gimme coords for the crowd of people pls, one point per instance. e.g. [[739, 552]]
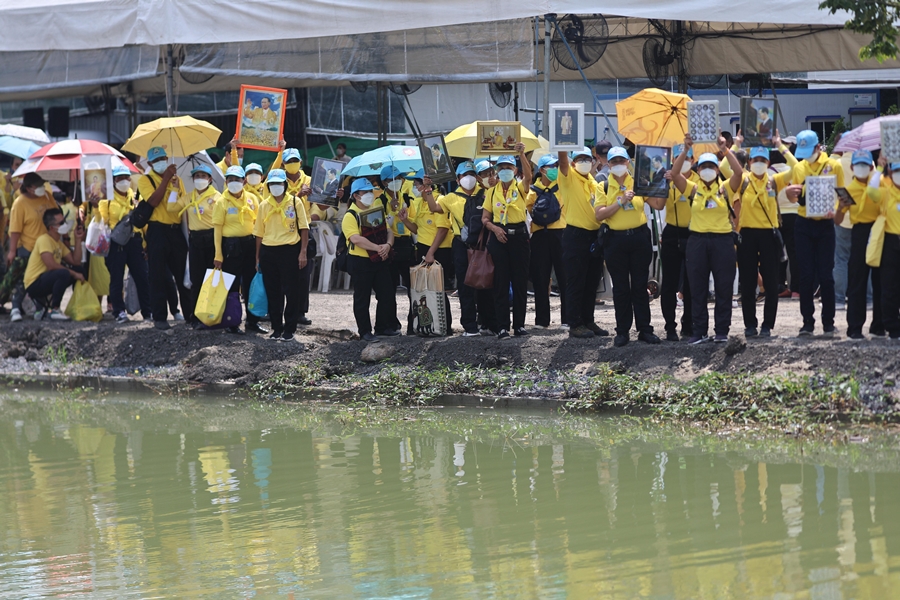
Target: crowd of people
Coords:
[[734, 218]]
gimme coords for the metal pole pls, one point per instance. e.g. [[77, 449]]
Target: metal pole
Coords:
[[170, 81], [516, 101], [537, 43], [545, 126]]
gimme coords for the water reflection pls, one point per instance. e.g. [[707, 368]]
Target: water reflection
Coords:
[[119, 508]]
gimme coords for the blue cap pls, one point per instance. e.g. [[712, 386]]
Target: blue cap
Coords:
[[506, 159], [759, 152], [420, 174], [861, 157], [585, 152], [276, 176], [465, 167], [235, 171], [290, 154], [895, 166], [390, 172], [253, 167], [483, 165], [155, 153], [547, 160], [708, 157], [679, 147], [202, 168], [121, 170], [617, 152], [807, 140], [361, 184]]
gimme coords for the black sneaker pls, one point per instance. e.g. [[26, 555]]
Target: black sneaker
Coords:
[[751, 332], [304, 321], [828, 332], [671, 336], [368, 337], [235, 330], [597, 330], [648, 337], [389, 333], [255, 328], [580, 332], [720, 338], [162, 325], [287, 337], [765, 332], [698, 339], [878, 332], [519, 331], [503, 334], [620, 340], [806, 331], [275, 335], [856, 335]]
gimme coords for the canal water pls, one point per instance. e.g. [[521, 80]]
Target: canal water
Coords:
[[140, 497]]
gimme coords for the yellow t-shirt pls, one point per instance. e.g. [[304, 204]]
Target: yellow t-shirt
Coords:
[[36, 266], [889, 195], [168, 209], [865, 210], [579, 193], [508, 207], [709, 208], [276, 223], [632, 214], [428, 224], [233, 217], [293, 189], [532, 198], [350, 227], [27, 218], [678, 208], [393, 216], [199, 208], [823, 166], [113, 211], [454, 206], [759, 202]]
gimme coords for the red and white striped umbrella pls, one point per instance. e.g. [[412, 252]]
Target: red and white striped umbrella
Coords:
[[61, 161]]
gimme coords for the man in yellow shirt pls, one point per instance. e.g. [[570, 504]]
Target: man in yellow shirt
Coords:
[[46, 275], [232, 150], [548, 221], [672, 250], [401, 218], [167, 249], [885, 192]]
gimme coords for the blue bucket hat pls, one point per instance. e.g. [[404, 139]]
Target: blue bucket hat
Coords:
[[465, 167], [708, 157], [290, 154], [585, 152], [235, 171], [861, 157], [506, 159], [483, 165], [253, 167], [202, 168], [807, 140], [617, 152], [420, 174], [547, 160], [679, 147], [390, 172], [155, 153], [361, 185], [121, 170], [759, 152], [276, 176]]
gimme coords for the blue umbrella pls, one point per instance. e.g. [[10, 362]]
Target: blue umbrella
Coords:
[[405, 158], [17, 147]]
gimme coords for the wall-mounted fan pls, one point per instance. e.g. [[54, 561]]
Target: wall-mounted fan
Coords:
[[195, 78], [501, 93], [404, 89], [748, 84], [669, 55], [587, 37]]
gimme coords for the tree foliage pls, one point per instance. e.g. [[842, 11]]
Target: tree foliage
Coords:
[[872, 17]]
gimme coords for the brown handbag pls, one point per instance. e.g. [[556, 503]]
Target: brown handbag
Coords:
[[480, 274]]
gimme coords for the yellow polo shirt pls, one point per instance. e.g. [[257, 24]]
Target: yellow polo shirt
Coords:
[[759, 202], [293, 189], [632, 214], [889, 195], [276, 223], [234, 217], [709, 209], [822, 167], [678, 208], [350, 227], [113, 211], [200, 209], [508, 207], [865, 210], [27, 218], [428, 224], [36, 266], [579, 193], [454, 206], [168, 209], [532, 198], [393, 216]]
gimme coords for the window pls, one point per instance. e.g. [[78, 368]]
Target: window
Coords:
[[823, 125]]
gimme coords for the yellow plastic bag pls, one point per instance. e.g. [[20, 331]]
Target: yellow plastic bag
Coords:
[[876, 243], [98, 275], [212, 297], [84, 305]]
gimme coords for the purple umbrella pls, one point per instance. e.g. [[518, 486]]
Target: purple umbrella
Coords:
[[865, 137]]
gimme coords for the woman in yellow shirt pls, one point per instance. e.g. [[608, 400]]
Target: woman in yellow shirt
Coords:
[[282, 235], [504, 213], [710, 248], [672, 250], [199, 208], [885, 192], [131, 254], [434, 238], [546, 240], [628, 248]]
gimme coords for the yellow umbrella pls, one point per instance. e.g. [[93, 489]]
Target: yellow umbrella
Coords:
[[179, 136], [463, 141], [653, 117]]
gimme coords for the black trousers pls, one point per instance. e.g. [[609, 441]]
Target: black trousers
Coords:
[[673, 277], [50, 283], [858, 283], [788, 225], [890, 284], [476, 307], [760, 253], [167, 253], [546, 256], [583, 273], [281, 276], [628, 255], [241, 262], [814, 241], [368, 276], [403, 246], [711, 253], [202, 252], [132, 255], [511, 264], [445, 257]]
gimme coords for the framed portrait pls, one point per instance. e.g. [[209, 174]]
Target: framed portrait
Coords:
[[435, 159], [890, 139], [820, 195], [845, 196], [260, 117], [325, 181], [96, 177], [650, 166], [566, 127], [497, 137], [703, 121], [758, 121]]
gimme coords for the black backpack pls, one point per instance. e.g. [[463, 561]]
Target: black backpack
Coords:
[[472, 216], [546, 210], [342, 250]]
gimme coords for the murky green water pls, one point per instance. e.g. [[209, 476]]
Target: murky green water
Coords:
[[150, 498]]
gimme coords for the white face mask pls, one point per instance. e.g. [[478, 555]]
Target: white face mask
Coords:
[[416, 193], [759, 168], [708, 175], [40, 191], [277, 189], [618, 170], [861, 171], [235, 187], [395, 185], [812, 159], [64, 228], [159, 167], [367, 199], [467, 182], [201, 184], [123, 185], [895, 177], [584, 167], [254, 179], [686, 167]]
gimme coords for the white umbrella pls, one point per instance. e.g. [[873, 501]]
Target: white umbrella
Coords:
[[25, 133]]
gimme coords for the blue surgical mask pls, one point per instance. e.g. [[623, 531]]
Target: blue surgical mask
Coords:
[[506, 175]]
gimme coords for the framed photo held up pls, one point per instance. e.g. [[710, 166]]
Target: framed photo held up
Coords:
[[96, 177], [566, 127], [650, 166], [435, 159], [703, 121], [497, 137], [820, 195], [890, 140], [325, 181], [260, 120], [758, 121]]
